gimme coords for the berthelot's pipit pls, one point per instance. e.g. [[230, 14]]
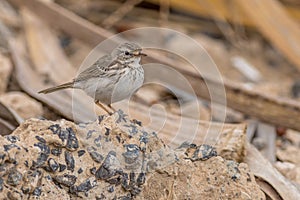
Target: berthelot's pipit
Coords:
[[111, 78]]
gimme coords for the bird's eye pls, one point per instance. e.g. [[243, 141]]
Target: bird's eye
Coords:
[[126, 53]]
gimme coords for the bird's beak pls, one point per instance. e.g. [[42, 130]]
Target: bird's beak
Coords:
[[138, 53]]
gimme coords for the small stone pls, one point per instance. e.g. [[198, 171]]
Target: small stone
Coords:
[[132, 178], [73, 190], [10, 146], [233, 170], [31, 180], [132, 129], [14, 177], [141, 178], [62, 167], [135, 121], [70, 162], [111, 189], [63, 135], [96, 156], [80, 170], [91, 148], [107, 131], [125, 181], [66, 179], [125, 198], [2, 157], [56, 151], [53, 165], [25, 189], [185, 145], [12, 138], [55, 128], [204, 152], [89, 134], [97, 141], [80, 153], [109, 167], [37, 191], [144, 138], [115, 181], [86, 186], [42, 158], [93, 170], [43, 147], [39, 138], [72, 142], [131, 154]]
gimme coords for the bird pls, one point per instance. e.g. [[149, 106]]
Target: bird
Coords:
[[112, 78]]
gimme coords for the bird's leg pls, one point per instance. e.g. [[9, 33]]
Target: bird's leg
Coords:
[[109, 105], [103, 107]]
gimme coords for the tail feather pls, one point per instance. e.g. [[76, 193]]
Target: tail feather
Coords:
[[59, 87]]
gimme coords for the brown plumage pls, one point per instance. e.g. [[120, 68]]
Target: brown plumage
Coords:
[[112, 77]]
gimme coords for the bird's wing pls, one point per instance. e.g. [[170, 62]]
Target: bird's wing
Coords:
[[98, 69]]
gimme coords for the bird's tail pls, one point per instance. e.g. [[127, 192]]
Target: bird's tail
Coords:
[[59, 87]]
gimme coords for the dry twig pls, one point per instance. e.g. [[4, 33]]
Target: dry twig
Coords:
[[120, 13]]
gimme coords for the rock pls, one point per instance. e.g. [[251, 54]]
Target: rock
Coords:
[[5, 71], [288, 147], [114, 158], [214, 178], [288, 153], [293, 137], [24, 105], [289, 170], [231, 144]]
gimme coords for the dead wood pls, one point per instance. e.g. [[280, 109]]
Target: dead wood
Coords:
[[271, 109]]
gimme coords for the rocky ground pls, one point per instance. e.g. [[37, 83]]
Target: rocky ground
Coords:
[[114, 158]]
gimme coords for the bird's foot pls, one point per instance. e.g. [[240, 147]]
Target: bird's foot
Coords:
[[105, 109]]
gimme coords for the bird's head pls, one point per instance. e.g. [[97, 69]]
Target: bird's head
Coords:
[[128, 53]]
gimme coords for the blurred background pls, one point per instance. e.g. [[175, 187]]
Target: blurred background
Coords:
[[254, 44]]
